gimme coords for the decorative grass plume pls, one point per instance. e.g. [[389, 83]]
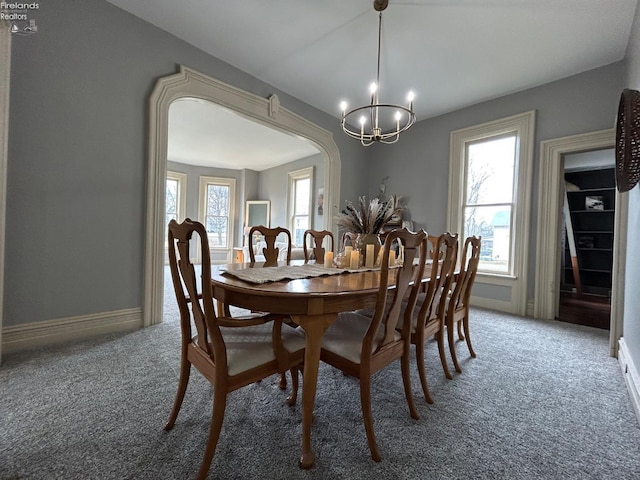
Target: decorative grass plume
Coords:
[[367, 217]]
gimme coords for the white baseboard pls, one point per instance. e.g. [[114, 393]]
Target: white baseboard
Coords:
[[631, 376], [50, 332]]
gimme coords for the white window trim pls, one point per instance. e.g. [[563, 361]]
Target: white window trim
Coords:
[[293, 177], [181, 178], [202, 194], [523, 125]]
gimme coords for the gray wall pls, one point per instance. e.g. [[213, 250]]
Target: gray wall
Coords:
[[419, 166], [77, 156], [274, 183], [631, 328]]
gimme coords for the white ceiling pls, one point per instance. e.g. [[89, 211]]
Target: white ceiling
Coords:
[[451, 53], [205, 134]]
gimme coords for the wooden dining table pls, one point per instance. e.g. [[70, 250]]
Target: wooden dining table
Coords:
[[313, 304]]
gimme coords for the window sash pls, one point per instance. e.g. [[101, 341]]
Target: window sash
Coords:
[[217, 200]]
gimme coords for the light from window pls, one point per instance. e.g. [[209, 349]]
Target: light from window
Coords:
[[216, 219], [489, 199], [299, 204], [171, 201], [302, 207]]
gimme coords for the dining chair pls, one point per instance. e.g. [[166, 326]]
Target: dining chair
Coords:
[[271, 255], [229, 352], [270, 251], [359, 346], [458, 302], [428, 319], [317, 249]]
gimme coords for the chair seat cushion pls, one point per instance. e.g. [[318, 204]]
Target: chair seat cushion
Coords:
[[249, 347], [344, 337]]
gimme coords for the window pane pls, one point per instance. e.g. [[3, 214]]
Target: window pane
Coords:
[[171, 204], [217, 214], [302, 196], [217, 199], [494, 225], [300, 225], [490, 171]]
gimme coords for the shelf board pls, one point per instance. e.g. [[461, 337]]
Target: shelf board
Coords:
[[593, 211], [591, 190], [596, 249]]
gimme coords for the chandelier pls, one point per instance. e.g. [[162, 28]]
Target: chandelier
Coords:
[[379, 122]]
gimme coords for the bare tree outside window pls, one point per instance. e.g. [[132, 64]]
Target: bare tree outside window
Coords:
[[171, 201], [488, 206], [217, 214]]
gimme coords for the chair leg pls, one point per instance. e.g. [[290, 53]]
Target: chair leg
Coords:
[[365, 400], [443, 358], [421, 371], [452, 346], [283, 381], [460, 334], [406, 380], [185, 371], [293, 397], [465, 321], [219, 405]]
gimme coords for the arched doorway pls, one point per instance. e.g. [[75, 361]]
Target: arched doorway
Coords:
[[268, 111]]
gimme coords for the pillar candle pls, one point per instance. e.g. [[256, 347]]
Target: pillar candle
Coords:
[[369, 256], [355, 259], [392, 258], [328, 259], [347, 252]]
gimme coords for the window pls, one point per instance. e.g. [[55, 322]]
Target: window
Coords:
[[217, 199], [300, 202], [175, 197], [490, 177], [488, 200]]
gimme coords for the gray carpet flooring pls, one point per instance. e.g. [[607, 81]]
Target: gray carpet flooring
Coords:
[[543, 400]]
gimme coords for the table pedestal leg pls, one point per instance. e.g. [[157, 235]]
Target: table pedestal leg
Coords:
[[314, 327]]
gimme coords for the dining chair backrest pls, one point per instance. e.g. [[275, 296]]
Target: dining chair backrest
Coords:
[[348, 238], [433, 239], [316, 249], [407, 278], [468, 269], [270, 251], [443, 256]]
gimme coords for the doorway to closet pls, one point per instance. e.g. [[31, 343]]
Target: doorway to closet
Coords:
[[587, 239]]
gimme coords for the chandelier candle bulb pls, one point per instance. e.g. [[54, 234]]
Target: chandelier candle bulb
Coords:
[[355, 260], [328, 259], [369, 256]]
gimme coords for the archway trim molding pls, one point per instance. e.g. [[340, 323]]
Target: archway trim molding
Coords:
[[548, 235], [268, 111]]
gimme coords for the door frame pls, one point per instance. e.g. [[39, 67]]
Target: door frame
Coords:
[[547, 281]]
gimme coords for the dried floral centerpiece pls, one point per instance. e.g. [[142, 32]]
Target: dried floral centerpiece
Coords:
[[368, 219]]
